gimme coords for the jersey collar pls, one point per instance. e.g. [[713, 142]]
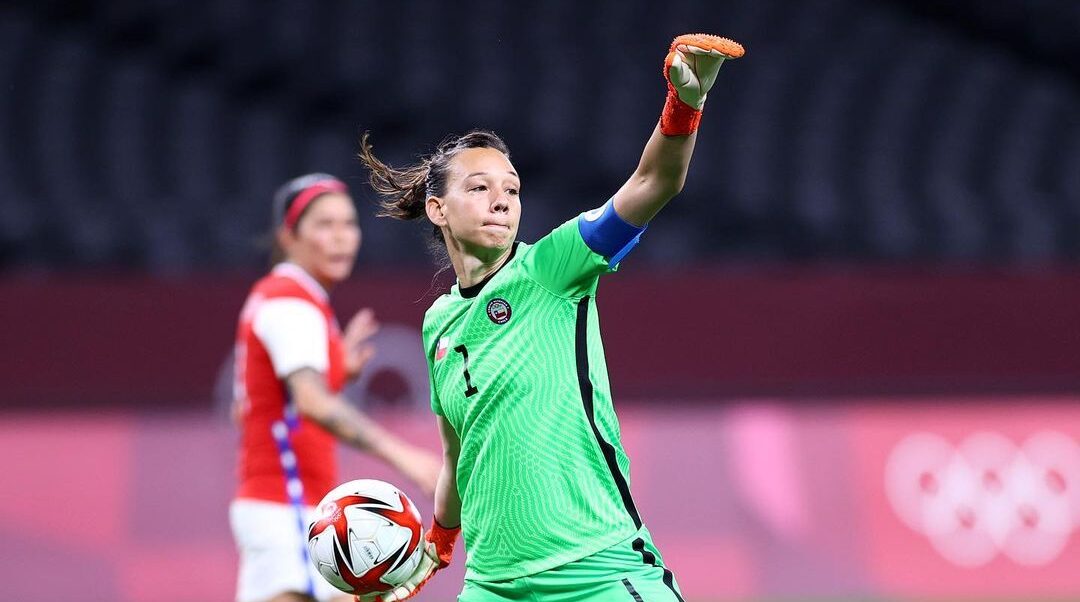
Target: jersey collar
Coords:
[[469, 292], [300, 276]]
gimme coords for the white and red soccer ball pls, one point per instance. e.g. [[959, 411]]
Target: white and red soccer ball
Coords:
[[366, 538]]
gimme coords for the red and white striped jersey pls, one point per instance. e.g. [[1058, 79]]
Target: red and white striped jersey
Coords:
[[286, 324]]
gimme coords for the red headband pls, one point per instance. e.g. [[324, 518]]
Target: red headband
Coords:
[[296, 209]]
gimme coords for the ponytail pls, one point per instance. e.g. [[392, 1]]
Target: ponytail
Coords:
[[402, 192]]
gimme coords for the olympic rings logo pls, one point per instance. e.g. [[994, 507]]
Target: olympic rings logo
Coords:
[[988, 495]]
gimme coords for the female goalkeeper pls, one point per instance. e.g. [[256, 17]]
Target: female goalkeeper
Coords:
[[534, 471]]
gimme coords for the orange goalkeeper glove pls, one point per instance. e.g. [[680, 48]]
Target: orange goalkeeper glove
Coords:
[[690, 69], [438, 548]]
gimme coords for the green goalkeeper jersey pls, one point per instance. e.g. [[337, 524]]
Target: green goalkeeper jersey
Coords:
[[517, 368]]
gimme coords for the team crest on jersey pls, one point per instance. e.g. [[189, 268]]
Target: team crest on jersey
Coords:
[[498, 310]]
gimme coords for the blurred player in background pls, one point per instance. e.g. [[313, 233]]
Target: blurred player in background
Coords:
[[534, 471], [291, 364]]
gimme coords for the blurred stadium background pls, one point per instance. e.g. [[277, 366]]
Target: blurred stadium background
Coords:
[[846, 357]]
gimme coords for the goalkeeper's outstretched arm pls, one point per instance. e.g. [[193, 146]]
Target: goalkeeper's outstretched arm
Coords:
[[690, 69]]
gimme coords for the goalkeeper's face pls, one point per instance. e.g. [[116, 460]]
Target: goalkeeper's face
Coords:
[[481, 206]]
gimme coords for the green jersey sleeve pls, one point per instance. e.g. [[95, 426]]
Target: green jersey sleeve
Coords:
[[431, 353], [436, 405], [562, 263]]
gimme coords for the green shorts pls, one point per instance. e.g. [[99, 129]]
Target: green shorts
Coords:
[[629, 571]]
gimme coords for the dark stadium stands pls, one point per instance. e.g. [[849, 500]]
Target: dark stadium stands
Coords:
[[150, 134]]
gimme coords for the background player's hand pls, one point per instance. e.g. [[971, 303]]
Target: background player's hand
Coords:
[[238, 408], [438, 549], [355, 342], [692, 64]]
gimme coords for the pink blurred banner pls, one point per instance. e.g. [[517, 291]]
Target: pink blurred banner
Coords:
[[919, 498]]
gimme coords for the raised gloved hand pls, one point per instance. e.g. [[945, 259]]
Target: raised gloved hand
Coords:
[[438, 549], [690, 69]]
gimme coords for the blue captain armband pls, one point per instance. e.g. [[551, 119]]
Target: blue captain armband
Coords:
[[608, 234]]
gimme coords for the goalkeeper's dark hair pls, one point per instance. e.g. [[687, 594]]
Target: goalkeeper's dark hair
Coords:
[[404, 192]]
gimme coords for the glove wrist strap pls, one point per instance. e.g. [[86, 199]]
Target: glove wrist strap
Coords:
[[444, 540], [443, 532], [678, 118]]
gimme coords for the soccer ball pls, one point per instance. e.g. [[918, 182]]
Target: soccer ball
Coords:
[[366, 538]]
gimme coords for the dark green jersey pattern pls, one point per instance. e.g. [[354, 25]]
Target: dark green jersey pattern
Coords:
[[517, 367]]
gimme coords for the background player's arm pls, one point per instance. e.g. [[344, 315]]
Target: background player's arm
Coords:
[[332, 412], [447, 499]]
